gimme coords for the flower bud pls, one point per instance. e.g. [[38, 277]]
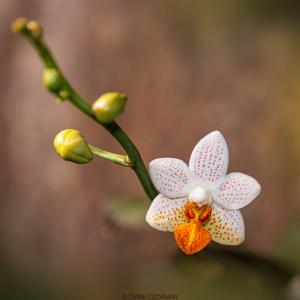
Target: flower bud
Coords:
[[19, 25], [35, 29], [108, 106], [53, 80], [64, 94], [71, 145]]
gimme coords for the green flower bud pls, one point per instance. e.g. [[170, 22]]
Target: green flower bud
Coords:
[[19, 25], [53, 80], [64, 94], [71, 145], [35, 29], [110, 105]]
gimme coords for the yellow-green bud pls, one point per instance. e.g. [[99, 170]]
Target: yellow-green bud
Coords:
[[19, 25], [108, 106], [64, 94], [53, 80], [71, 145], [35, 28]]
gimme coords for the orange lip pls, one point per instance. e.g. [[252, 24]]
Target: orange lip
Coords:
[[191, 237]]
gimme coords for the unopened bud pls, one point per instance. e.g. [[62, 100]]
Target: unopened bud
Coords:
[[53, 80], [64, 94], [35, 29], [19, 25], [109, 106], [71, 145]]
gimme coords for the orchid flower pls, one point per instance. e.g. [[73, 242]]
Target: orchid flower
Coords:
[[199, 202]]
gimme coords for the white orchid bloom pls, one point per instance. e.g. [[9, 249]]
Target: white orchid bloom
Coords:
[[199, 202]]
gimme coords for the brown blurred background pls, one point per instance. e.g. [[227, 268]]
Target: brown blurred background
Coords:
[[188, 67]]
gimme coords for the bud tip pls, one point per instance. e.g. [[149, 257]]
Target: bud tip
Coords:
[[35, 28], [19, 25]]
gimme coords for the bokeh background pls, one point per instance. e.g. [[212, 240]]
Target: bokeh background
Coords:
[[189, 67]]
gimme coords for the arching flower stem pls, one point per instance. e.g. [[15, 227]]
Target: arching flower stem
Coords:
[[113, 128]]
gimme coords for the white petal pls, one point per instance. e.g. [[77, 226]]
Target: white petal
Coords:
[[226, 226], [171, 177], [209, 159], [237, 191], [164, 213]]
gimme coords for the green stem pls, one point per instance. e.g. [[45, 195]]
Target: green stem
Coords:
[[115, 158], [114, 129]]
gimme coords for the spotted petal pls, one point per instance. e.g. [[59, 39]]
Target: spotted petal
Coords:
[[171, 177], [237, 191], [226, 226], [165, 214], [209, 159]]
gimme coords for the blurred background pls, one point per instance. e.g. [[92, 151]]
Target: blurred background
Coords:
[[189, 67]]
